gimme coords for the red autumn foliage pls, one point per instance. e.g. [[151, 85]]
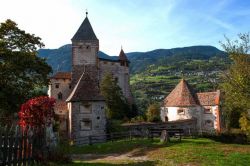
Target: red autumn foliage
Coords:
[[37, 112]]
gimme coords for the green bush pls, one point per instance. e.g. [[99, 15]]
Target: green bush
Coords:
[[229, 137], [115, 126], [137, 119], [153, 113], [60, 154]]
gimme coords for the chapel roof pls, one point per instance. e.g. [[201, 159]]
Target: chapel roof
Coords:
[[182, 95], [86, 89], [85, 32], [62, 75]]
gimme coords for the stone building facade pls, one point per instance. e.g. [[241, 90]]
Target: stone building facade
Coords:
[[182, 103], [79, 90]]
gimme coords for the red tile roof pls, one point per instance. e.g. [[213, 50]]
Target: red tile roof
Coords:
[[182, 95], [62, 75], [209, 98]]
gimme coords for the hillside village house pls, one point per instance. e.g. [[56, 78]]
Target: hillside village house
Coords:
[[183, 103], [78, 100]]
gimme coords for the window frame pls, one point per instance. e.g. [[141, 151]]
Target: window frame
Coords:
[[84, 120], [181, 113]]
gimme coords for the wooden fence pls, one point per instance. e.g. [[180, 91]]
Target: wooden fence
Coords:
[[18, 147], [129, 135]]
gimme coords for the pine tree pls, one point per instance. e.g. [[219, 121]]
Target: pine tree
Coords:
[[116, 104]]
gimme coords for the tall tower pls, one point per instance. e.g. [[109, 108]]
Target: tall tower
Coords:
[[124, 75], [85, 47], [86, 104]]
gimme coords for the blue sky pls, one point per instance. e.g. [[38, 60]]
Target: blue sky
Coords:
[[137, 25]]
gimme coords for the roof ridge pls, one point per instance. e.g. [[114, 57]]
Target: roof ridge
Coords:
[[74, 90]]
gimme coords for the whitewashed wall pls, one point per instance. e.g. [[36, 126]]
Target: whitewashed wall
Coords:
[[192, 112]]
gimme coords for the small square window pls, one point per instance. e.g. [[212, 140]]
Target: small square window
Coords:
[[57, 85], [122, 63], [181, 111], [85, 124], [60, 96]]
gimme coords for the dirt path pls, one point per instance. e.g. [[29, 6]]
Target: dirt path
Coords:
[[108, 157]]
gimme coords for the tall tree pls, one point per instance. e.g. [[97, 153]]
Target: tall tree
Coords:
[[21, 70], [236, 85], [117, 106]]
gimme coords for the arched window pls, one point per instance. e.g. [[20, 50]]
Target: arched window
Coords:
[[59, 96]]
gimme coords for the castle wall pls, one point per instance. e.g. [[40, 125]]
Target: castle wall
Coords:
[[119, 72], [59, 85]]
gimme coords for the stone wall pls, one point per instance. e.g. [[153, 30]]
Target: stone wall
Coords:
[[188, 126], [87, 118], [84, 53]]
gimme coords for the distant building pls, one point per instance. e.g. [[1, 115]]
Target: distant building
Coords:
[[183, 103], [79, 102]]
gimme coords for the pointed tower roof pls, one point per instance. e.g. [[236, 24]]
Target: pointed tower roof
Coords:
[[181, 96], [86, 89], [122, 56], [85, 32]]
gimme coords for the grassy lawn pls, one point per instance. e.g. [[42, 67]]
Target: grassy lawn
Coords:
[[144, 152]]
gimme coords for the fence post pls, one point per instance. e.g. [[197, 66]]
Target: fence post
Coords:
[[5, 146], [11, 147], [90, 140], [16, 149], [111, 137], [1, 150]]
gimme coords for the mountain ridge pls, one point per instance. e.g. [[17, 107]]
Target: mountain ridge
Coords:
[[60, 59]]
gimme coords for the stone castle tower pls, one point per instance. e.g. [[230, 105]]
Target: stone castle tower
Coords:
[[81, 104]]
